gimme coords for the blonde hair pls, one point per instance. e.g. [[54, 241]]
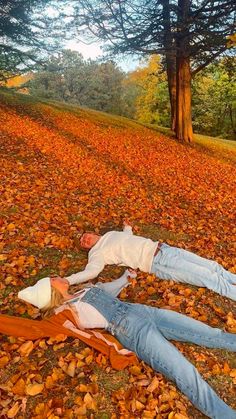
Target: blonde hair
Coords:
[[57, 300]]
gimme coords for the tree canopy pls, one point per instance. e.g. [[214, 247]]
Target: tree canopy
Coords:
[[141, 26], [26, 33], [69, 77]]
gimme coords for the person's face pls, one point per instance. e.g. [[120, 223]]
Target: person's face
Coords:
[[87, 240], [61, 284]]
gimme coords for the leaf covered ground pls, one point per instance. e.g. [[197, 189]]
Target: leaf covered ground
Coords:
[[64, 170]]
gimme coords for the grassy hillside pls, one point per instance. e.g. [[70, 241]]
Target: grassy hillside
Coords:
[[65, 169]]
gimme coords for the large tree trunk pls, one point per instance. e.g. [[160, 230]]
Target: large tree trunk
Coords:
[[184, 130], [171, 76], [169, 45]]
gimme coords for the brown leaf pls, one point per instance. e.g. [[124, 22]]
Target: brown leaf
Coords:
[[154, 385]]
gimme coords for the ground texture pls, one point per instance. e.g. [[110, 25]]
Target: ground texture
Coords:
[[64, 170]]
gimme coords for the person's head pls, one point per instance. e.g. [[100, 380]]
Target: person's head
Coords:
[[47, 294], [88, 240], [57, 299]]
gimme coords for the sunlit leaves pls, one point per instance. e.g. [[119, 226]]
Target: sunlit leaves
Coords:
[[63, 172]]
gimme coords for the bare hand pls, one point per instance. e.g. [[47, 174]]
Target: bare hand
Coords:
[[132, 277], [127, 223], [133, 272]]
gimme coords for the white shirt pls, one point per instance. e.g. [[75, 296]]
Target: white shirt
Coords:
[[117, 248], [89, 317]]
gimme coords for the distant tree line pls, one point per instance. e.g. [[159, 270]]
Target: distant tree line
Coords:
[[141, 94], [70, 78]]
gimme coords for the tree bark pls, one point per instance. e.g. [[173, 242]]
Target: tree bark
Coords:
[[171, 76], [184, 130], [169, 44]]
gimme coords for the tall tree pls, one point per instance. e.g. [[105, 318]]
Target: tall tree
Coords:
[[190, 35], [70, 78], [184, 130], [170, 58], [26, 33]]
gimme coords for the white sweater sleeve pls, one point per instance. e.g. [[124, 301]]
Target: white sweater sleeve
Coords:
[[127, 230], [93, 268], [115, 287]]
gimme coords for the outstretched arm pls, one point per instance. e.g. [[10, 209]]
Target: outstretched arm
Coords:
[[115, 287], [91, 271], [127, 227]]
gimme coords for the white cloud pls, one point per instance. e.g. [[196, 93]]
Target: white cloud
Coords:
[[94, 50], [88, 51]]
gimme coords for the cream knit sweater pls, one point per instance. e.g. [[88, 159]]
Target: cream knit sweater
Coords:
[[117, 248]]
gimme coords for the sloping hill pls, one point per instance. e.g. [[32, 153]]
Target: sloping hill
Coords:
[[64, 169]]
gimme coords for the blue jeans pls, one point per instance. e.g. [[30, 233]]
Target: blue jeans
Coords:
[[183, 266], [146, 331]]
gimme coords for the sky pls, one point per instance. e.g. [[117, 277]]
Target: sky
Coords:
[[94, 51]]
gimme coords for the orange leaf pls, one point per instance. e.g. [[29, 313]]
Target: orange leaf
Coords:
[[19, 387], [154, 385], [4, 361], [11, 413], [71, 368], [34, 389], [26, 348]]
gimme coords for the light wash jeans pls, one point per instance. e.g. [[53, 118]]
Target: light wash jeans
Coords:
[[146, 330], [183, 266]]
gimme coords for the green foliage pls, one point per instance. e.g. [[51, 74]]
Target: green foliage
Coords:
[[143, 93], [142, 26], [195, 32], [70, 78], [27, 32], [151, 99], [214, 99]]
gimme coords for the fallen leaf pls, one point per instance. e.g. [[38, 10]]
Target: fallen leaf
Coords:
[[34, 389], [26, 348]]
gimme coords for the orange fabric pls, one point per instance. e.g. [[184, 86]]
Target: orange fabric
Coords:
[[53, 326]]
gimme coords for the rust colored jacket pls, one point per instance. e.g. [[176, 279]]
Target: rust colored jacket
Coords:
[[53, 326]]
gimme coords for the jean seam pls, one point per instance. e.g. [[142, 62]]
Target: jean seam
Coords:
[[214, 339]]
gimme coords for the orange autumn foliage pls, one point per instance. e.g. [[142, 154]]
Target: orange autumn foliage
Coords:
[[63, 171]]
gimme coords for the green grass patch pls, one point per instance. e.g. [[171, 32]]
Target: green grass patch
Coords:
[[108, 383], [159, 233]]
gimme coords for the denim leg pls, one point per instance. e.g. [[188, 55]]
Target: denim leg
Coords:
[[209, 264], [138, 333], [179, 327], [182, 266]]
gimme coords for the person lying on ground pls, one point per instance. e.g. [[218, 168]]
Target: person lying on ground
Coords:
[[166, 262], [144, 330]]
